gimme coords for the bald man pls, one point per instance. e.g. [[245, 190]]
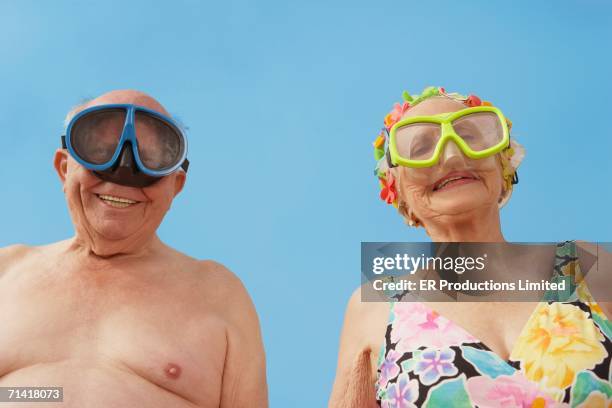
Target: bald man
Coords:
[[113, 315]]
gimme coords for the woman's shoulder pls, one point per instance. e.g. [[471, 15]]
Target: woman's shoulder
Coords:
[[366, 316]]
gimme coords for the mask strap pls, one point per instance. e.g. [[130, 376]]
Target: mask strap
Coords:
[[389, 162], [515, 178], [185, 165]]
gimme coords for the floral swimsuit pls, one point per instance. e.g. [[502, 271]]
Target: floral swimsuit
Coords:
[[561, 358]]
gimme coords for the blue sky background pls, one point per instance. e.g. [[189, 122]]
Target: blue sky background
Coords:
[[283, 100]]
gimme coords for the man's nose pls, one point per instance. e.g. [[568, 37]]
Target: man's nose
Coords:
[[126, 160]]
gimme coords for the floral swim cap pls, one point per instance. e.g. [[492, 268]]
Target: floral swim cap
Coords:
[[510, 158]]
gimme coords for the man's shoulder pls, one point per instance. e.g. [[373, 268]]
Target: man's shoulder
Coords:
[[224, 291], [213, 284], [218, 273], [215, 279], [12, 254], [15, 249]]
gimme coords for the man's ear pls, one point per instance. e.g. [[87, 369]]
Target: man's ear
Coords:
[[179, 181], [60, 163]]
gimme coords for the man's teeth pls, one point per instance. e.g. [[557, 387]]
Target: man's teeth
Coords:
[[117, 202], [448, 180]]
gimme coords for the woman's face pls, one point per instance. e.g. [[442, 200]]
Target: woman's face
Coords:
[[456, 185]]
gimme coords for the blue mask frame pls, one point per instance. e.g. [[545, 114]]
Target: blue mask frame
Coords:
[[127, 135]]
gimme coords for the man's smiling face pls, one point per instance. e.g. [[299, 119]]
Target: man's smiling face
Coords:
[[110, 212]]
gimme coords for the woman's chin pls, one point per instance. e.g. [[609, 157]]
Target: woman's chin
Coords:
[[458, 200]]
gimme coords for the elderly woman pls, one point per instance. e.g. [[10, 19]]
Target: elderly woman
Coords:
[[448, 164]]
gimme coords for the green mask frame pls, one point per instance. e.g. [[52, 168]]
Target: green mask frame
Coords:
[[447, 131]]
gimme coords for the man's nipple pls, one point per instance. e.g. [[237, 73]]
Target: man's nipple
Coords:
[[172, 371]]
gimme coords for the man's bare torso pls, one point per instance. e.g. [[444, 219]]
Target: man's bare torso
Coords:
[[113, 333]]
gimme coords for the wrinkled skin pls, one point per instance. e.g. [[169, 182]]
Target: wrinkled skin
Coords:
[[459, 212], [100, 227], [118, 318]]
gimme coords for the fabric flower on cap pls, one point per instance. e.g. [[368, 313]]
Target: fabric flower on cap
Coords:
[[396, 114], [510, 158], [388, 193]]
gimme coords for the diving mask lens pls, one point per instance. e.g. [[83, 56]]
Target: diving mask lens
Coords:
[[417, 141], [480, 130], [95, 135], [157, 144], [160, 145]]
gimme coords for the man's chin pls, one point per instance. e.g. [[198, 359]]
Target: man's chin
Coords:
[[113, 230], [112, 224]]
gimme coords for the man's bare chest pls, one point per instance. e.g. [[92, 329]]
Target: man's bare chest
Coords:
[[156, 333]]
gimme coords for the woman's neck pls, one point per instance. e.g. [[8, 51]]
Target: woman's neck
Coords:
[[483, 226]]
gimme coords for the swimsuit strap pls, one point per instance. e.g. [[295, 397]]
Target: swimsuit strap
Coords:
[[567, 268], [383, 348]]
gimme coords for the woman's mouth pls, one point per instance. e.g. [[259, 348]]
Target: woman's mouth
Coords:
[[116, 202], [454, 179]]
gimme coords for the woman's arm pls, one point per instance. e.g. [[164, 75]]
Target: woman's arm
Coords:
[[362, 337]]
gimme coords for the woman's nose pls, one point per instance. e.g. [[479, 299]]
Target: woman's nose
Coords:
[[451, 153]]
